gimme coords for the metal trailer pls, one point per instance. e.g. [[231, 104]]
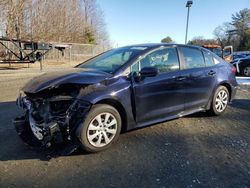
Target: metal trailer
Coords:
[[22, 51]]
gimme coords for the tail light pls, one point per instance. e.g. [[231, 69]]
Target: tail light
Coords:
[[234, 70]]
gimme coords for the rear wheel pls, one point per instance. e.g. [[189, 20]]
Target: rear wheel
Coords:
[[220, 101], [101, 128]]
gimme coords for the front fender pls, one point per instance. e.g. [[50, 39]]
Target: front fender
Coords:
[[120, 92]]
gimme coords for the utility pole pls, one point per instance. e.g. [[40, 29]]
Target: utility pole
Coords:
[[188, 5]]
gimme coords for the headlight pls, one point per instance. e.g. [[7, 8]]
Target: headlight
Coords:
[[22, 94]]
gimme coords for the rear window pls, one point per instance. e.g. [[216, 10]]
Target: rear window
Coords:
[[193, 58]]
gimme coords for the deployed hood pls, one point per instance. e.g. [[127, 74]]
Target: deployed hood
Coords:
[[71, 76]]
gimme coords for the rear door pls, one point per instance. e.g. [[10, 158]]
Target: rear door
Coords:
[[200, 77], [162, 96]]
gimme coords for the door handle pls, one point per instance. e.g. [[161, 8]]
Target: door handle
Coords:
[[211, 73], [180, 78]]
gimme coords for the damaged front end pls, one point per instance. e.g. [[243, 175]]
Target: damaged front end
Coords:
[[51, 117]]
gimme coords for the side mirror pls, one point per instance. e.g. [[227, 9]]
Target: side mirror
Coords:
[[148, 72]]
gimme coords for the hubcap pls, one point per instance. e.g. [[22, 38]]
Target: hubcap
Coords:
[[221, 101], [246, 71], [102, 129]]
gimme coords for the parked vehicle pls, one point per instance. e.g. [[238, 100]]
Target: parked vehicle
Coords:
[[120, 90], [226, 53], [242, 66], [236, 57]]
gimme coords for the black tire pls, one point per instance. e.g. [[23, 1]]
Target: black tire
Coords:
[[214, 109], [243, 72], [95, 111]]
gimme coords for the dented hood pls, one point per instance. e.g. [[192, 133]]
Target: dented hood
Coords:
[[71, 76]]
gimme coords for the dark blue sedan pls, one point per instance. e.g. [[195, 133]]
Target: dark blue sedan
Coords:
[[120, 90]]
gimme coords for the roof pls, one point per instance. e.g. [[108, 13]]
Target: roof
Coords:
[[155, 45]]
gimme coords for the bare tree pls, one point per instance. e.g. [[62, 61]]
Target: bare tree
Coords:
[[79, 21], [222, 35]]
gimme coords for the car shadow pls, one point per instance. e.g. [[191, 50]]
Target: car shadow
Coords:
[[243, 104], [12, 68], [200, 114], [13, 148]]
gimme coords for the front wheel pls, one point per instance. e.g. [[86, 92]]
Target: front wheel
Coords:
[[101, 128], [220, 101]]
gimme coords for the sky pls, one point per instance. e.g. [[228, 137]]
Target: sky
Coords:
[[144, 21]]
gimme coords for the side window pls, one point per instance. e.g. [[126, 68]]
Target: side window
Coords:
[[165, 60], [135, 67], [217, 59], [193, 58], [208, 58]]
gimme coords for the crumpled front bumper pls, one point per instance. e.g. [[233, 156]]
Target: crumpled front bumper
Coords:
[[58, 136]]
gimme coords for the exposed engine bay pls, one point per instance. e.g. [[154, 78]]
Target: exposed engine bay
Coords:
[[52, 116]]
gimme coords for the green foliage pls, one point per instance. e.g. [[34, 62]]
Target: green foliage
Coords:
[[241, 23], [236, 32], [167, 40], [247, 43], [199, 41], [90, 37]]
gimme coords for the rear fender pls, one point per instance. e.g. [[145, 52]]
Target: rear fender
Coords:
[[228, 86]]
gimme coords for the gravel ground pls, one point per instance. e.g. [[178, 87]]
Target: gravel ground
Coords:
[[194, 151]]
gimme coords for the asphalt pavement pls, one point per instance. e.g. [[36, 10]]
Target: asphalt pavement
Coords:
[[195, 151]]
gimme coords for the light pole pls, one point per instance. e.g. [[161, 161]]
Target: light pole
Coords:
[[188, 5]]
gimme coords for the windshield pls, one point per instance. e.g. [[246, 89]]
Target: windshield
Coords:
[[112, 60]]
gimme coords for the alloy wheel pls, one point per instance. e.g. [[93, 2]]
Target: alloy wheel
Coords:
[[102, 129], [221, 101]]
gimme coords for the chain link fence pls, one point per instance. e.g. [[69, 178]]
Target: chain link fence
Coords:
[[59, 52], [74, 51]]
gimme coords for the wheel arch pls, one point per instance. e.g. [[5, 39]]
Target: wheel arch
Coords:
[[229, 88], [225, 84], [119, 107]]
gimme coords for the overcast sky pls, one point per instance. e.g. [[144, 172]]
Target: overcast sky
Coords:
[[142, 21]]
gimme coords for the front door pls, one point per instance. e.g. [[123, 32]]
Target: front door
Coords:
[[160, 97]]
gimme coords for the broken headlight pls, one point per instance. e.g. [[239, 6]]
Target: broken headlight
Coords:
[[19, 101]]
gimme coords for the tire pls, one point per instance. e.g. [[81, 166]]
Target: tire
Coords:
[[245, 70], [220, 101], [96, 125]]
